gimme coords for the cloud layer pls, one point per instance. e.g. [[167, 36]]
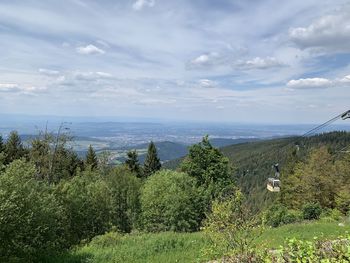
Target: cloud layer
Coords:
[[184, 60]]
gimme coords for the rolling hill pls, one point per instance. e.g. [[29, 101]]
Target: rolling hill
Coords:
[[252, 161]]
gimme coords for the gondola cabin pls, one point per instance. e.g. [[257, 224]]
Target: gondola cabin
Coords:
[[273, 185]]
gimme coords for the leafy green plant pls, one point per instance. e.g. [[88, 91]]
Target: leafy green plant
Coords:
[[170, 201], [32, 221], [278, 215], [231, 226], [312, 211]]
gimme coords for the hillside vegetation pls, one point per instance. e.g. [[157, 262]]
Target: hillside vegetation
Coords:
[[187, 247], [54, 204]]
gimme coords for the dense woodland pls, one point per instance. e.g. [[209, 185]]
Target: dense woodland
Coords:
[[51, 200]]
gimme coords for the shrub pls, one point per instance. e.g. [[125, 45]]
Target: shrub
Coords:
[[107, 240], [88, 204], [125, 195], [32, 221], [170, 201], [311, 211], [230, 226], [278, 215], [336, 214]]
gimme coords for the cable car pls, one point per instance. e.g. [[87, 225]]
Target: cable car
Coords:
[[345, 115], [273, 185]]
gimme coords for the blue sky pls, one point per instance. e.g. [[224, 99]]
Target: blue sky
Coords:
[[229, 61]]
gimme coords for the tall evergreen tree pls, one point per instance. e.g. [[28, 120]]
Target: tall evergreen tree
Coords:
[[210, 167], [14, 148], [152, 163], [91, 158], [2, 146], [132, 162], [2, 152]]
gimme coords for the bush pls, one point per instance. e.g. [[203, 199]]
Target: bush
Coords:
[[125, 195], [230, 226], [278, 215], [170, 201], [87, 201], [311, 211], [32, 222], [110, 239]]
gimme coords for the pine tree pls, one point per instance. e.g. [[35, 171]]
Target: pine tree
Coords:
[[91, 158], [13, 148], [152, 162], [132, 163], [2, 153], [2, 146]]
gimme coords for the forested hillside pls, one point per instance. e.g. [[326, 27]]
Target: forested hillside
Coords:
[[253, 161], [51, 200]]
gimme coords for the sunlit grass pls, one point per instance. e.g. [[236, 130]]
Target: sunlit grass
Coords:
[[185, 247]]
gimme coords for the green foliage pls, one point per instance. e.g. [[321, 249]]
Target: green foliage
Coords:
[[2, 154], [272, 238], [124, 188], [91, 160], [132, 163], [2, 145], [311, 251], [31, 219], [253, 163], [170, 201], [14, 148], [87, 202], [311, 211], [164, 247], [230, 226], [210, 168], [278, 215], [52, 159], [313, 181], [152, 163]]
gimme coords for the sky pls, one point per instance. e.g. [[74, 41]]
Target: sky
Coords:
[[249, 61]]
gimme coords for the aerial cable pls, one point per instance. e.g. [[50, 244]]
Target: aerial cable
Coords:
[[273, 184], [343, 115]]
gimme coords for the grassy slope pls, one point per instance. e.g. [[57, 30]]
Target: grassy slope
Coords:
[[157, 248], [274, 237], [187, 247]]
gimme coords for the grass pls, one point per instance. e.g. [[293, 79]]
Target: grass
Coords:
[[185, 247], [158, 248], [274, 237]]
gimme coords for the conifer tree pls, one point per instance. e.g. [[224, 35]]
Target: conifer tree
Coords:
[[14, 148], [91, 158], [152, 163], [2, 146], [132, 162], [2, 152]]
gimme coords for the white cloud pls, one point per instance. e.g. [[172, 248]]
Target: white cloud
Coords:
[[91, 75], [318, 83], [89, 50], [49, 72], [205, 60], [309, 83], [140, 4], [207, 83], [258, 63], [345, 80], [13, 87], [329, 32], [8, 87]]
